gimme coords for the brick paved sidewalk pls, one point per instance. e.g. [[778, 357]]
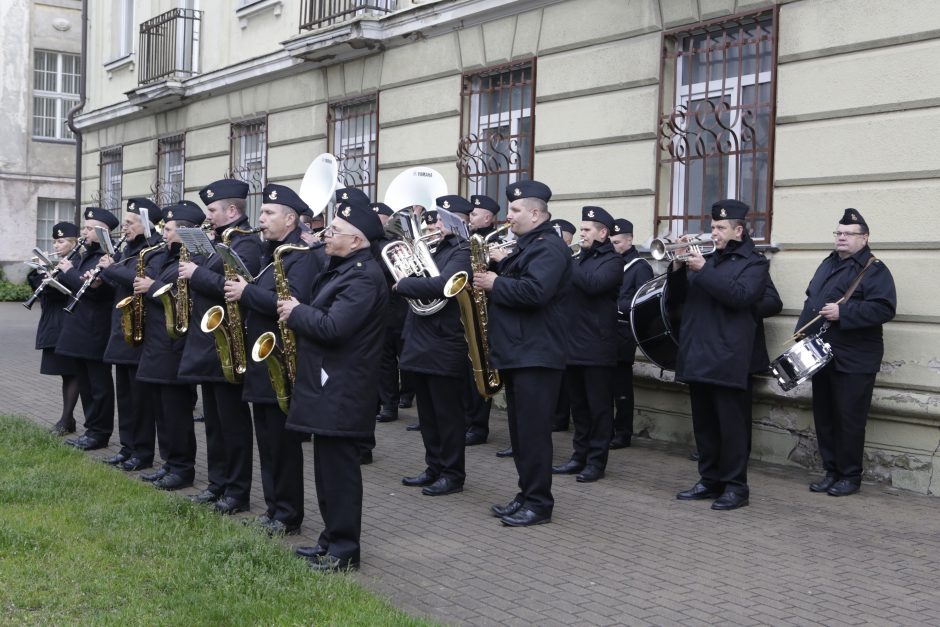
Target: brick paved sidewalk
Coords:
[[620, 551]]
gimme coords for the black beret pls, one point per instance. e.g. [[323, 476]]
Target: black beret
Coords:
[[222, 189], [454, 204], [134, 205], [565, 226], [102, 215], [484, 202], [622, 227], [528, 189], [598, 214], [184, 210], [64, 229], [351, 195], [283, 195], [852, 216], [729, 209], [381, 208], [363, 218], [430, 217]]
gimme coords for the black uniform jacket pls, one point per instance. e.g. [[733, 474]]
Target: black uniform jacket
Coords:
[[718, 328], [634, 277], [160, 358], [53, 315], [596, 275], [259, 306], [769, 305], [85, 332], [120, 275], [436, 344], [339, 344], [397, 305], [200, 362], [527, 315], [856, 337]]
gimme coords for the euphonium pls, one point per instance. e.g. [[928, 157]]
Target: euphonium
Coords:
[[473, 315], [411, 256], [281, 361], [132, 307], [176, 308]]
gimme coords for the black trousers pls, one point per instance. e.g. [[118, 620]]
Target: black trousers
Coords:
[[135, 407], [591, 389], [721, 419], [176, 432], [338, 478], [229, 440], [281, 460], [388, 369], [841, 402], [561, 417], [149, 413], [476, 408], [440, 412], [96, 387], [623, 398], [530, 407]]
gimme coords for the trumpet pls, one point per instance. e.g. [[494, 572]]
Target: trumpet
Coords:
[[665, 248], [575, 247]]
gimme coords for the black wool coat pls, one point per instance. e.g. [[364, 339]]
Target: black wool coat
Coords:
[[85, 332], [769, 305], [53, 314], [596, 275], [639, 273], [160, 357]]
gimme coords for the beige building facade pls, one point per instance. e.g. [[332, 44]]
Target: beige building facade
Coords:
[[651, 108]]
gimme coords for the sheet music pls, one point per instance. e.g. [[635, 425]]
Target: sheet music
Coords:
[[196, 241], [104, 238], [145, 221], [231, 258]]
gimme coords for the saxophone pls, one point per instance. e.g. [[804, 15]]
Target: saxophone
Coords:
[[281, 362], [132, 307], [176, 308], [473, 315]]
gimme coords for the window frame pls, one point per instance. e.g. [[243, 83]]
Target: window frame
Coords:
[[238, 170], [166, 190], [62, 100], [63, 210], [111, 180], [368, 140]]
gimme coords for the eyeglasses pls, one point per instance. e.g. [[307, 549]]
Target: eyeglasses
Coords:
[[846, 233], [331, 232]]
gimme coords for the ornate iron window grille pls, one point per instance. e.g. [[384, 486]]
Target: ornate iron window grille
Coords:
[[249, 161], [168, 188], [354, 140], [498, 126], [319, 13], [111, 179], [716, 129], [169, 46]]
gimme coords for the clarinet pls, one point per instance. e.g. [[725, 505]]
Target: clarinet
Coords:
[[52, 277], [91, 279]]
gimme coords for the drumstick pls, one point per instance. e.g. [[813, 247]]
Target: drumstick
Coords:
[[798, 334]]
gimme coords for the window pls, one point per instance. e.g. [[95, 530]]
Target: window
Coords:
[[169, 186], [123, 41], [50, 212], [716, 130], [55, 91], [354, 141], [249, 148], [110, 173], [497, 122]]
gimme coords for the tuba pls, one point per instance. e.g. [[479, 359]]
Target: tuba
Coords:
[[132, 307], [176, 309]]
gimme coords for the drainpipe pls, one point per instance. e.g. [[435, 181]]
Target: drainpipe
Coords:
[[70, 116]]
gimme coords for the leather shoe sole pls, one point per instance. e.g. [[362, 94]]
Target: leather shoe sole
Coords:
[[525, 518], [729, 501]]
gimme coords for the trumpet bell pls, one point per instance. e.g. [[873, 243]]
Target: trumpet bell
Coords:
[[664, 248]]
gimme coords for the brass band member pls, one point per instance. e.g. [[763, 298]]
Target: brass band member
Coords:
[[716, 345], [592, 345], [279, 449], [64, 240], [84, 334], [160, 359], [842, 389], [229, 439], [339, 343], [435, 353], [526, 315], [135, 401]]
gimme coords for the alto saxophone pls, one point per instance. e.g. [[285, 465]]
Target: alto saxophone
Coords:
[[176, 308], [132, 307], [475, 319], [281, 362]]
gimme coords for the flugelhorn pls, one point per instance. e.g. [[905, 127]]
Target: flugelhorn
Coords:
[[665, 248]]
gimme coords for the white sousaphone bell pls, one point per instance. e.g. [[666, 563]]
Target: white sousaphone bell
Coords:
[[319, 182]]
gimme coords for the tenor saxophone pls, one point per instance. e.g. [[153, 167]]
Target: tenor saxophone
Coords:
[[176, 308], [132, 307]]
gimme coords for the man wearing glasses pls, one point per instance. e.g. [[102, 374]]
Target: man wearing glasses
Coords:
[[842, 389]]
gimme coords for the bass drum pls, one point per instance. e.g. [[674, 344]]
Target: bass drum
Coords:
[[655, 323]]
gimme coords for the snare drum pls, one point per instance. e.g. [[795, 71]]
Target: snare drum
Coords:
[[801, 361]]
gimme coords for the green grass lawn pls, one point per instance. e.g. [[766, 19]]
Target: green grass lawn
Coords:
[[80, 543]]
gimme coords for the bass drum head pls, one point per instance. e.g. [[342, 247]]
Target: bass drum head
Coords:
[[653, 322]]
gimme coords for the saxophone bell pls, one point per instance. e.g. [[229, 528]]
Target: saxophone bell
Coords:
[[212, 322]]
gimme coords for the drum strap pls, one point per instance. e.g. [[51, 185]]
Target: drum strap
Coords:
[[848, 294]]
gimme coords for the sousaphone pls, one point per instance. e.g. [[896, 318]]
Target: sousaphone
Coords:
[[319, 182]]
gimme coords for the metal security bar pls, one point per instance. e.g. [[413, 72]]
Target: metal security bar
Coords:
[[169, 46], [110, 180], [249, 160], [717, 127], [319, 13], [354, 137], [168, 188]]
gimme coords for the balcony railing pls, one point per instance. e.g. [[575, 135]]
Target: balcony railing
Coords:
[[319, 13], [169, 46]]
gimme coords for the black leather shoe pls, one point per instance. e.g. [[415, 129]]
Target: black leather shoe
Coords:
[[413, 427], [405, 402], [172, 481], [230, 505], [276, 528], [388, 414], [844, 487], [473, 438], [156, 475], [525, 517], [698, 492], [309, 552], [590, 474], [365, 458], [508, 509], [730, 500], [823, 484], [135, 463], [206, 496], [621, 439], [62, 427], [506, 452], [114, 460], [86, 443], [444, 485], [425, 478], [329, 564], [570, 467]]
